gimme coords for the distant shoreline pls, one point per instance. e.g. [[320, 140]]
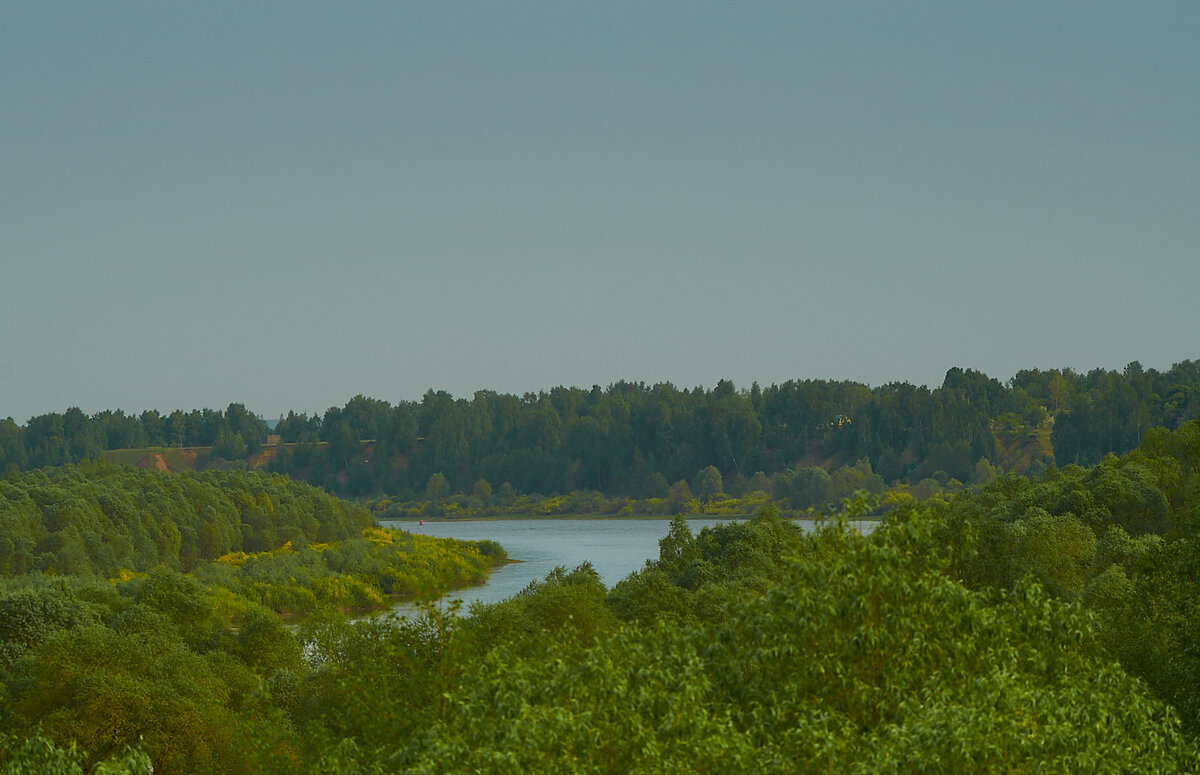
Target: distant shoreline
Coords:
[[607, 517]]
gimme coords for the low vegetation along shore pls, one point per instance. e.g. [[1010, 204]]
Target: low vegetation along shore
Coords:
[[143, 607]]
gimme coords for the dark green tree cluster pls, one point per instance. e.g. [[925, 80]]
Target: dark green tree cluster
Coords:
[[97, 519], [183, 672], [72, 437], [96, 668], [1104, 412], [1121, 538], [636, 440]]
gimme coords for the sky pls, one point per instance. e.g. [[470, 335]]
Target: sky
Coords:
[[288, 204]]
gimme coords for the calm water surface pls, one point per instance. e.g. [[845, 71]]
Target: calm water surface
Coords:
[[615, 547]]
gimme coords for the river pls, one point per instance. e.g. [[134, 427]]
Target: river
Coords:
[[615, 547]]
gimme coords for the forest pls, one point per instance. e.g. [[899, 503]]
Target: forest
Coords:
[[1026, 602], [632, 440], [1042, 623]]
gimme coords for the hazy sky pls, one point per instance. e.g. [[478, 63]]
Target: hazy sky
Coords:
[[287, 204]]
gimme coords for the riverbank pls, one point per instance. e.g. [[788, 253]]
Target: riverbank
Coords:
[[551, 518], [614, 547], [604, 518]]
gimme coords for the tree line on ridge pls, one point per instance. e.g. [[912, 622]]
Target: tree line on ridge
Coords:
[[636, 440]]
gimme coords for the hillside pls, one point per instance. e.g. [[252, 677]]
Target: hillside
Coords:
[[189, 459]]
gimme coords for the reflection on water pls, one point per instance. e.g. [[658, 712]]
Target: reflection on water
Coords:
[[615, 548]]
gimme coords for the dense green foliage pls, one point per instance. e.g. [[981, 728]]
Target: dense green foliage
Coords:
[[99, 519], [751, 647], [42, 756], [149, 663], [1121, 538], [636, 440], [105, 643], [1043, 624]]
